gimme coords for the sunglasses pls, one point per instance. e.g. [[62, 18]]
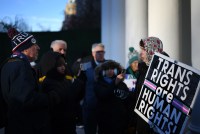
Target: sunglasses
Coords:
[[98, 52]]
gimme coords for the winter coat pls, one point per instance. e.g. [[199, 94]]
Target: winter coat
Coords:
[[142, 126], [111, 110], [63, 114], [131, 102], [27, 106], [150, 45], [89, 97]]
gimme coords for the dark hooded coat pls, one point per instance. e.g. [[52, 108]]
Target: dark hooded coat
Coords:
[[112, 111], [63, 114]]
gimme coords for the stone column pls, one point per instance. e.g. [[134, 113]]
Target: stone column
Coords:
[[113, 29], [136, 23], [195, 22], [194, 125], [164, 23]]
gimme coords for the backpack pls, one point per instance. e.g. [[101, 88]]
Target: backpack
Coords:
[[3, 105]]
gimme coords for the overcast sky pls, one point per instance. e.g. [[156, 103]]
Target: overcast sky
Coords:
[[38, 14]]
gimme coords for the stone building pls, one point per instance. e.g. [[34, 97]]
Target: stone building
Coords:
[[82, 14]]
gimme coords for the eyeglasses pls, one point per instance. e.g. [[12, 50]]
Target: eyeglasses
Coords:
[[98, 52]]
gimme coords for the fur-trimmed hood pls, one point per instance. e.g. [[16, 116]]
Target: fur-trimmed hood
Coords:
[[106, 65]]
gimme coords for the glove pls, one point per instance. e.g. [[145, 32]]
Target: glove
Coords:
[[121, 93]]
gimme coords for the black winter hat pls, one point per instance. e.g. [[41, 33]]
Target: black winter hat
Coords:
[[20, 41], [49, 61]]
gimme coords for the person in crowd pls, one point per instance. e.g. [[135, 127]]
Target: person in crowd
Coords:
[[59, 46], [130, 80], [112, 94], [85, 57], [89, 99], [132, 69], [148, 47], [27, 105], [63, 114]]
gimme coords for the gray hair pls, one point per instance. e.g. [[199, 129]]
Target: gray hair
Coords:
[[97, 44], [58, 42]]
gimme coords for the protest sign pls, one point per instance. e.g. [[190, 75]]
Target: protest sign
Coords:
[[130, 81], [168, 94]]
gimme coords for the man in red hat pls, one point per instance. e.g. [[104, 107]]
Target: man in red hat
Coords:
[[27, 106]]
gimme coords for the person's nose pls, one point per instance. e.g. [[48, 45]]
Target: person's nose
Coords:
[[62, 52]]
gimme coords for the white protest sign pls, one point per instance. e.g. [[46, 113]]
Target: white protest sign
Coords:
[[168, 94], [130, 81]]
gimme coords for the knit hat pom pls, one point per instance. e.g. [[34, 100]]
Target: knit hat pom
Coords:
[[12, 32], [132, 55], [131, 49]]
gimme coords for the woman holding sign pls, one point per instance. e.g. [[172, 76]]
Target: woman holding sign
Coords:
[[148, 47]]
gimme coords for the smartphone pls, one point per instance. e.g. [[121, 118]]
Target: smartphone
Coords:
[[123, 71]]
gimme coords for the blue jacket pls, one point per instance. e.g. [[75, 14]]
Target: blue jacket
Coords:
[[90, 99]]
